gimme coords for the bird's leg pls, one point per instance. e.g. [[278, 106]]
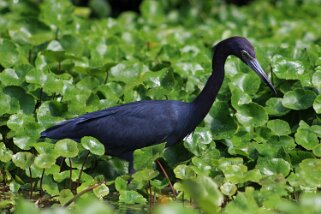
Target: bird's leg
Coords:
[[167, 177], [131, 169]]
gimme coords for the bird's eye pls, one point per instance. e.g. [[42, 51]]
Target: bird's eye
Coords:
[[245, 54]]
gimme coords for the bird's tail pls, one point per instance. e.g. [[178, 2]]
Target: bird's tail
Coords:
[[59, 131]]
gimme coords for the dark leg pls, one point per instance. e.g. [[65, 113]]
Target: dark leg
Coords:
[[129, 156], [167, 177], [131, 169]]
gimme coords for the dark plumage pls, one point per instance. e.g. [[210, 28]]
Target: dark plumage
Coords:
[[125, 128]]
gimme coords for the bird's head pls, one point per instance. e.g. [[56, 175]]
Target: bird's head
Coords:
[[243, 49]]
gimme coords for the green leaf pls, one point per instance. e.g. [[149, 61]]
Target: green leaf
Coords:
[[228, 189], [131, 197], [298, 99], [45, 160], [317, 104], [36, 76], [273, 166], [233, 168], [25, 128], [183, 171], [247, 83], [199, 141], [252, 114], [274, 107], [279, 127], [120, 184], [239, 98], [145, 175], [306, 137], [8, 105], [23, 206], [317, 150], [152, 11], [308, 174], [77, 99], [100, 7], [55, 46], [24, 143], [93, 145], [23, 160], [309, 201], [35, 171], [67, 148], [223, 125], [14, 187], [317, 130], [26, 101], [72, 44], [61, 176], [316, 80], [285, 69], [49, 185], [253, 175], [101, 191], [9, 55], [145, 157], [239, 144], [245, 202], [158, 185], [49, 113], [56, 13], [127, 71], [65, 195], [29, 30], [205, 192], [15, 76], [5, 154], [44, 147]]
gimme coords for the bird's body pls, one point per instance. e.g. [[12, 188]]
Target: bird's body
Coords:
[[167, 121], [125, 128]]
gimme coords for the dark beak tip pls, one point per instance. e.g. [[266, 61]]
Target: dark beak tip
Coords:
[[256, 67]]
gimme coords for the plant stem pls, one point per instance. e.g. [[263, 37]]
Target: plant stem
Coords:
[[82, 168], [31, 189], [107, 75], [81, 193], [61, 162], [150, 196], [170, 183], [183, 198], [38, 103], [41, 179], [70, 170]]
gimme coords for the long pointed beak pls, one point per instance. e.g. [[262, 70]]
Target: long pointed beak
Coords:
[[255, 66]]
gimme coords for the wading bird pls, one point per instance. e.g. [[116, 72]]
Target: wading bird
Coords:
[[125, 128]]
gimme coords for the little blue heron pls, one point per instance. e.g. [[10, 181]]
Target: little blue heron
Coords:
[[125, 128]]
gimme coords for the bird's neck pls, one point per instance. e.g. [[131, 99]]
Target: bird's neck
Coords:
[[204, 101]]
